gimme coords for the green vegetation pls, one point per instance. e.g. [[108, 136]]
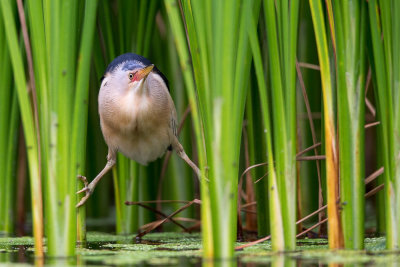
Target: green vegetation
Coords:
[[385, 63], [260, 87], [182, 248]]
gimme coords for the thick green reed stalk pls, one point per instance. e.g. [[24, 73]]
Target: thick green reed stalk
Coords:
[[9, 120], [281, 20], [27, 115], [178, 30], [218, 41], [280, 126], [335, 233], [274, 202], [79, 127], [385, 61], [8, 146], [59, 95], [350, 27]]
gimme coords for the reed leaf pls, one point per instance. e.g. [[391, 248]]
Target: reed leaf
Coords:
[[8, 102], [335, 234], [385, 39], [80, 112], [215, 62], [350, 28], [28, 122]]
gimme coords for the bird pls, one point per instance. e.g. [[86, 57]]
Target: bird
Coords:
[[137, 116]]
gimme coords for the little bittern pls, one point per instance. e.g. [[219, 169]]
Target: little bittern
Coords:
[[137, 115]]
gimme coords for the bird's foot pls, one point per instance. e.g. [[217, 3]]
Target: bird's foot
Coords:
[[86, 189]]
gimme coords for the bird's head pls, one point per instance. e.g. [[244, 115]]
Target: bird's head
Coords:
[[129, 72]]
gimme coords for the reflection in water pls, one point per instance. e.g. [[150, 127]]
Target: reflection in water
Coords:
[[100, 253]]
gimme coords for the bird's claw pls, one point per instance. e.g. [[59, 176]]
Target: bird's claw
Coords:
[[83, 179], [85, 189]]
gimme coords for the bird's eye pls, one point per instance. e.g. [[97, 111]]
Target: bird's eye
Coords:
[[130, 76]]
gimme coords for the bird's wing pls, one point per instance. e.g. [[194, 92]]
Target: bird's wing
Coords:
[[173, 122]]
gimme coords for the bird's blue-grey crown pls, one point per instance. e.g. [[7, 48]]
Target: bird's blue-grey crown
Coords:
[[130, 61]]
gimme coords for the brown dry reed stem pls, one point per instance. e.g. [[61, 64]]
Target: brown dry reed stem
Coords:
[[266, 163], [372, 124], [368, 103], [374, 175], [158, 212], [367, 195], [308, 149], [313, 134], [195, 201], [307, 158], [308, 66], [156, 201]]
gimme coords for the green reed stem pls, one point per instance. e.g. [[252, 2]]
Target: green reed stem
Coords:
[[335, 233], [385, 36], [7, 95], [80, 117], [28, 123], [281, 26], [216, 49], [350, 23]]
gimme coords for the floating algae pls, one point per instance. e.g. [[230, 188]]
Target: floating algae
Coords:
[[183, 249]]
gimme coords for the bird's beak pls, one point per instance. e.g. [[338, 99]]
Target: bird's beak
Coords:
[[144, 72]]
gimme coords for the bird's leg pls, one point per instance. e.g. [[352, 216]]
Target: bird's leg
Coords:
[[88, 189], [181, 153]]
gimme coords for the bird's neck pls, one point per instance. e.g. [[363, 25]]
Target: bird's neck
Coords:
[[141, 88]]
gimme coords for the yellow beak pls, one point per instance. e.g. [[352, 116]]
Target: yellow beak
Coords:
[[144, 72]]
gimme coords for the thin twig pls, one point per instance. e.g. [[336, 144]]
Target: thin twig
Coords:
[[312, 227], [259, 179], [375, 190], [253, 243], [369, 105], [249, 204], [374, 175], [195, 201], [308, 66], [252, 167], [306, 158], [312, 214], [184, 219], [313, 134], [156, 201], [367, 195], [308, 149], [372, 124], [265, 163], [163, 215], [367, 83]]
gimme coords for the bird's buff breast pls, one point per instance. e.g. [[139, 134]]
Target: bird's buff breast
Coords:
[[136, 128]]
